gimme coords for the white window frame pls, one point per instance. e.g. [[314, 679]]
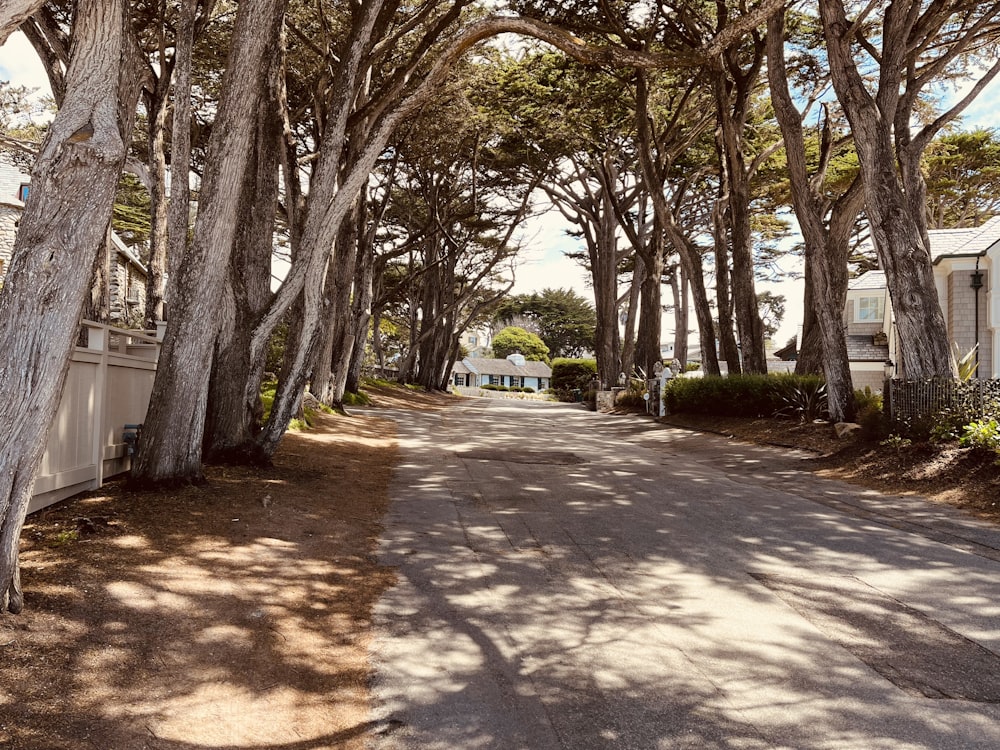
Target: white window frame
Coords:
[[870, 309]]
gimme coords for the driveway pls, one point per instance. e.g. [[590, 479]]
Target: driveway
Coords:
[[576, 580]]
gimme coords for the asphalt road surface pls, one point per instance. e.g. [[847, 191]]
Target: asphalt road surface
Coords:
[[576, 580]]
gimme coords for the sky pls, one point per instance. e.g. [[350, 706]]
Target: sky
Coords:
[[544, 264]]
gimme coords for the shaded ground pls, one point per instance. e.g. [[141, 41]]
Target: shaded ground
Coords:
[[947, 473], [237, 614], [230, 615]]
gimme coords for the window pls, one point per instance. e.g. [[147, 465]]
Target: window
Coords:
[[496, 379], [516, 381], [472, 340], [22, 192], [871, 309]]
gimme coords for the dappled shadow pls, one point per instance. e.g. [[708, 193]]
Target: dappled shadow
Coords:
[[615, 600], [227, 616]]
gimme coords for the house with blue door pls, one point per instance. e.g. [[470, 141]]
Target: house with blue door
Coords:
[[513, 372]]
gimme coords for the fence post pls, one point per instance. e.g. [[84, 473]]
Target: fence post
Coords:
[[887, 400], [98, 339]]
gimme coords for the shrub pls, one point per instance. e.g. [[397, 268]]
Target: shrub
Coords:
[[570, 375], [983, 434], [632, 399], [870, 416], [528, 389], [735, 395], [804, 398]]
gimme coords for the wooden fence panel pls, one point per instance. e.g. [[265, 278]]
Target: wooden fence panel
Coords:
[[108, 386]]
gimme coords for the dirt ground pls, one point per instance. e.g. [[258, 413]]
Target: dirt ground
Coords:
[[237, 614]]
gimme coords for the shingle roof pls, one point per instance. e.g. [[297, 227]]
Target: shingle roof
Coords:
[[968, 241], [484, 366], [868, 280], [861, 349]]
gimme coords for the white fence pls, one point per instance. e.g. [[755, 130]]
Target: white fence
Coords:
[[108, 386]]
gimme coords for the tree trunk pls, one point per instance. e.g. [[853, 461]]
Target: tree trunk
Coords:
[[651, 311], [235, 412], [604, 270], [98, 305], [903, 253], [732, 105], [681, 314], [827, 247], [178, 209], [639, 277], [156, 281], [15, 12], [171, 448], [727, 340], [65, 221]]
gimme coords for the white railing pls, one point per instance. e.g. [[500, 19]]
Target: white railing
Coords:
[[108, 386]]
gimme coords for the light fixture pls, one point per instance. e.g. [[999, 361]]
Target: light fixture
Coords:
[[977, 280], [889, 368]]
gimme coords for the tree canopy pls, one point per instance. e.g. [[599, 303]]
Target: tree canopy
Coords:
[[515, 340]]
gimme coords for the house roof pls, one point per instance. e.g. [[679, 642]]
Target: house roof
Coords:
[[970, 241], [868, 280], [861, 349], [945, 243], [484, 366]]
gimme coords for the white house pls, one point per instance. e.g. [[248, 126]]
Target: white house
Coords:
[[513, 372], [964, 260]]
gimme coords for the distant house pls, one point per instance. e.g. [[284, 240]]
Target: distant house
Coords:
[[127, 281], [476, 342], [963, 262], [513, 372]]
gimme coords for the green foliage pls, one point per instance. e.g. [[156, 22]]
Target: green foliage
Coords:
[[946, 425], [563, 319], [569, 375], [869, 414], [736, 395], [515, 340], [983, 434], [131, 216], [965, 364], [356, 399], [69, 536], [896, 442], [962, 172], [805, 399]]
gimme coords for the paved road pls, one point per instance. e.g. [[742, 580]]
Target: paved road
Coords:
[[575, 580]]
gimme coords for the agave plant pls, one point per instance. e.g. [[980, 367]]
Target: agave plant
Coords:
[[965, 364], [805, 400]]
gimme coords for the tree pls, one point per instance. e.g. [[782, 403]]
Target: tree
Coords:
[[516, 340], [65, 221], [916, 44], [826, 210], [963, 178], [563, 319], [171, 449]]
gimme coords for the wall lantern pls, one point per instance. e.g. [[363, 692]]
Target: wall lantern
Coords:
[[889, 368], [977, 280]]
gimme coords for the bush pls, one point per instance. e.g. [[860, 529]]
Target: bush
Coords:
[[869, 414], [528, 389], [569, 375], [983, 435], [735, 395]]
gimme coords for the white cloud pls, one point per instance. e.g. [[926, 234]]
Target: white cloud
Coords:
[[19, 64]]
